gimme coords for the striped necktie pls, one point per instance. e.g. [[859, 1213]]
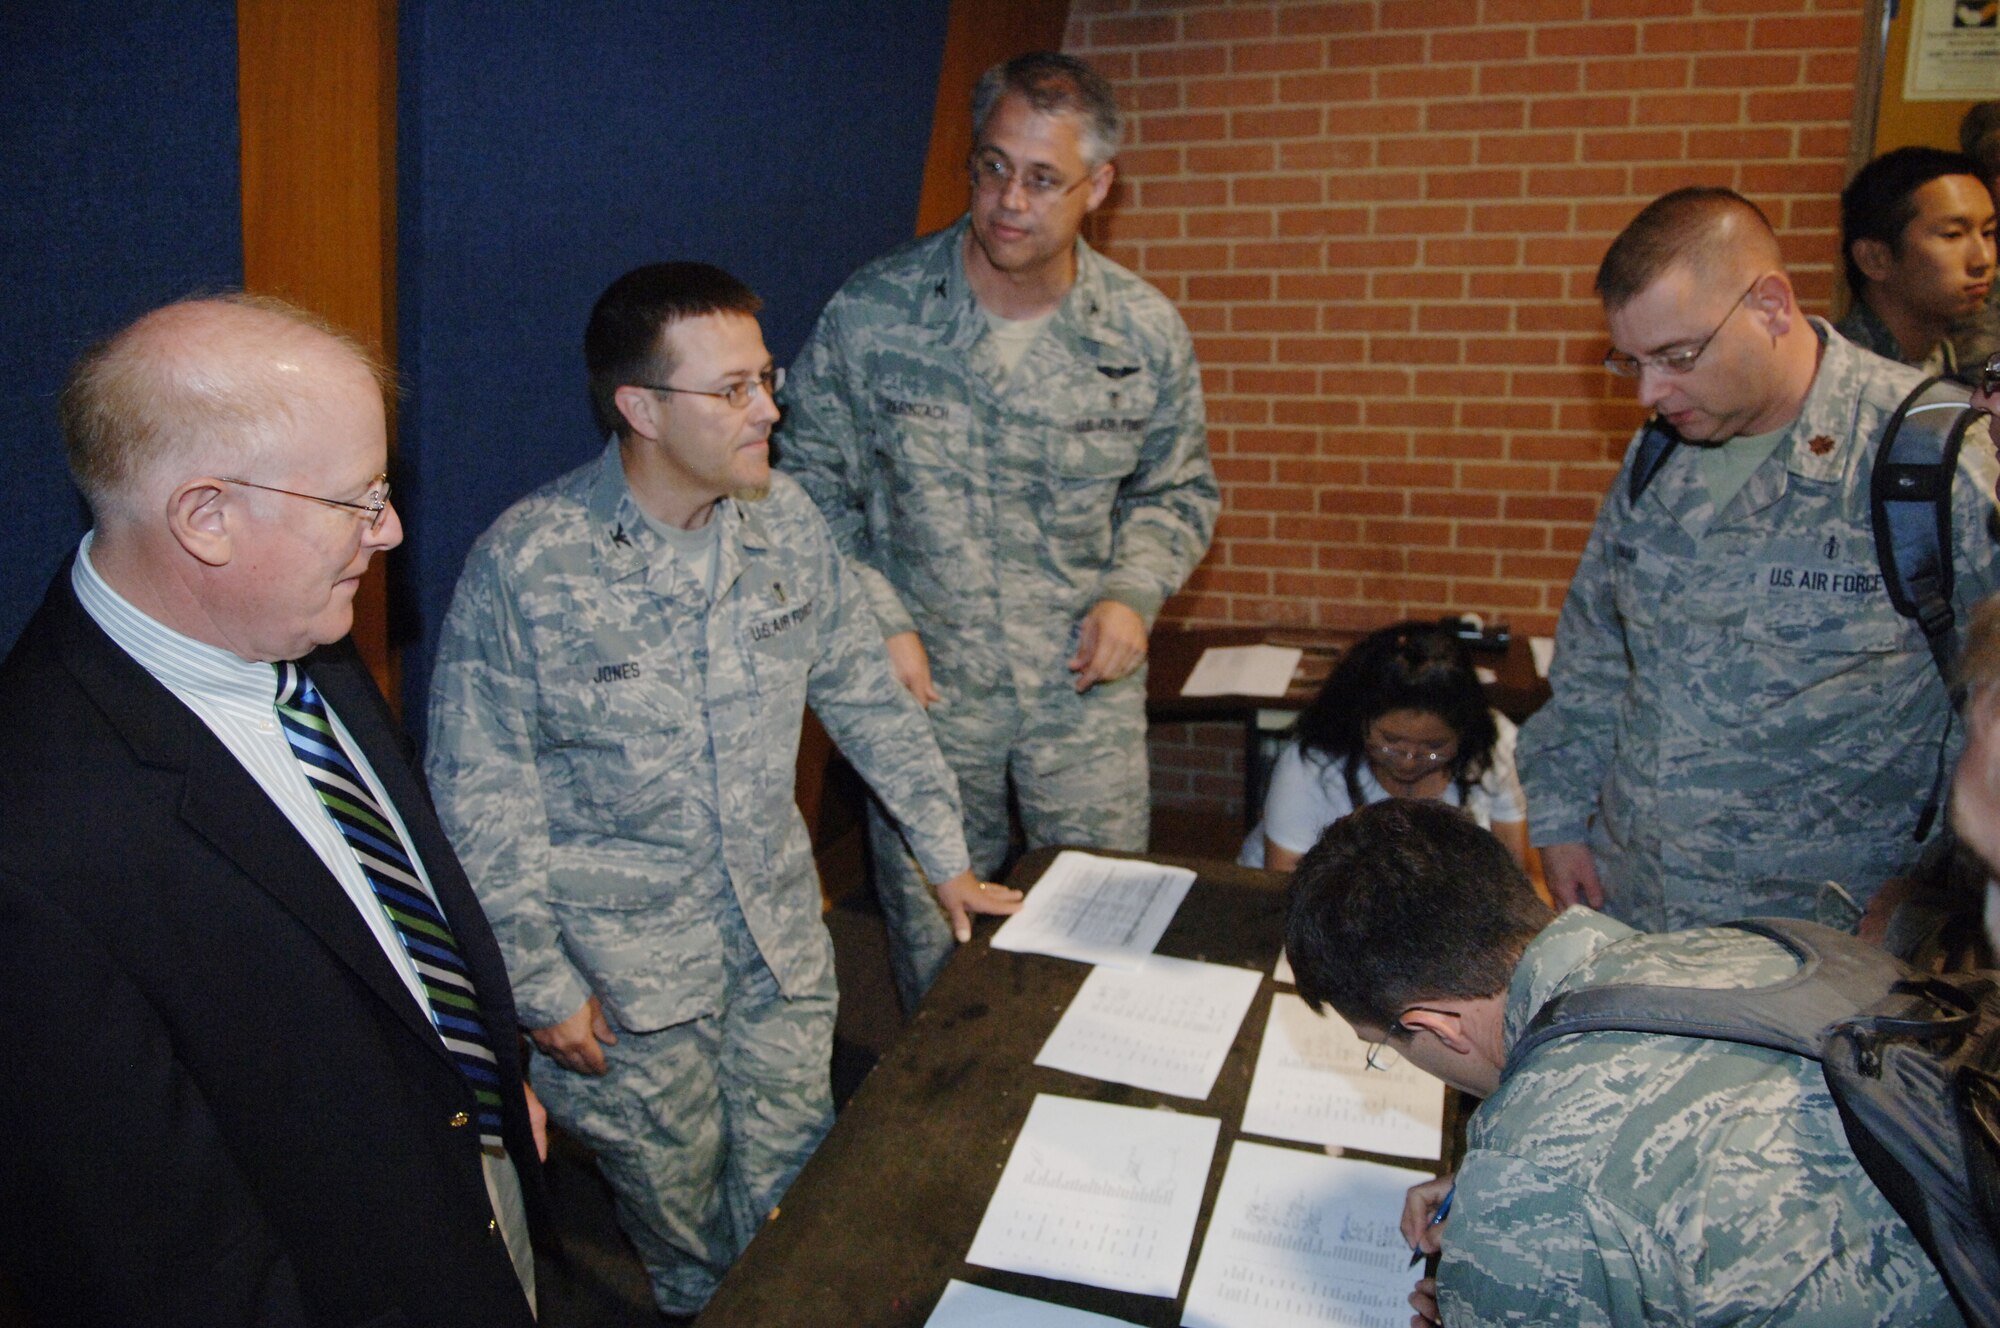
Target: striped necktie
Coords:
[[426, 936]]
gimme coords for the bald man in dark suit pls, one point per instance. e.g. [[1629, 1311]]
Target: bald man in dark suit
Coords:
[[264, 1063]]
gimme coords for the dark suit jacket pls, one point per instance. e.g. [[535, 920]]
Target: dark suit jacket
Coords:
[[222, 1105]]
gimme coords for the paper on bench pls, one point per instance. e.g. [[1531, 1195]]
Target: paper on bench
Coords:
[[1312, 1084], [1099, 1194], [1096, 910], [1243, 671], [1301, 1240], [1165, 1026]]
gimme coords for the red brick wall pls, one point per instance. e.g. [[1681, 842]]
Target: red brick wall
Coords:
[[1381, 219], [1197, 768]]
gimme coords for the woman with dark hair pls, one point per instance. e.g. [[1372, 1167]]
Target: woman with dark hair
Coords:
[[1402, 716]]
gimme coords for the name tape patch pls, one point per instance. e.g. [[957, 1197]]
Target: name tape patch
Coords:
[[1821, 580], [778, 624], [926, 410]]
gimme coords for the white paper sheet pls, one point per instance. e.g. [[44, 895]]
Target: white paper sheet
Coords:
[[1096, 910], [1298, 1240], [964, 1305], [1282, 972], [1243, 671], [1312, 1084], [1099, 1194], [1165, 1026], [1542, 649]]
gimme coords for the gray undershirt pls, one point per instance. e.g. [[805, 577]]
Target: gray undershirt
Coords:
[[700, 549], [1011, 337], [1726, 469]]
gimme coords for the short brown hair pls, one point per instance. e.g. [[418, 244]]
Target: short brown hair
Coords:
[[1697, 226], [1403, 901], [623, 343]]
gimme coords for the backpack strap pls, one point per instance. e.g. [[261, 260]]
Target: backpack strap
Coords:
[[1838, 978], [1655, 446], [1909, 502]]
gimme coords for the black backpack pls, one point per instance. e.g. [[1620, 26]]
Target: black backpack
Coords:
[[1912, 1061]]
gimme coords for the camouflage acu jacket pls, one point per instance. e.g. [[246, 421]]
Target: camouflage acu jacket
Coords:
[[614, 755], [1629, 1178], [988, 512], [1865, 329], [1740, 715]]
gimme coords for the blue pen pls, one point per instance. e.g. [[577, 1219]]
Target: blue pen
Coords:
[[1443, 1211]]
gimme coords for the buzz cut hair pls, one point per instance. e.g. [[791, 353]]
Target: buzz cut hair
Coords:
[[1054, 84], [625, 340], [1700, 227]]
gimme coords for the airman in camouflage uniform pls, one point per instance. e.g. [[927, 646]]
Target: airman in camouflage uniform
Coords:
[[1610, 1178], [1626, 1178], [1740, 716], [614, 731], [1017, 518]]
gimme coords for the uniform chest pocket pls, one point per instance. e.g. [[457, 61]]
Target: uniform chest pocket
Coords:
[[921, 489], [919, 435], [782, 640], [1816, 604], [1089, 459], [612, 740], [1640, 578], [1102, 448]]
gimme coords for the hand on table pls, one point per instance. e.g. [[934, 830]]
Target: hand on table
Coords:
[[965, 894]]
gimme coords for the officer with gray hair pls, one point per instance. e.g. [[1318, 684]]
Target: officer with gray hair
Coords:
[[1611, 1177], [1742, 723], [1005, 431]]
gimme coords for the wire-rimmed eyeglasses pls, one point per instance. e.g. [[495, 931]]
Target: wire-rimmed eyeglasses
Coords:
[[991, 171], [1383, 1056], [736, 394], [369, 509], [1628, 365]]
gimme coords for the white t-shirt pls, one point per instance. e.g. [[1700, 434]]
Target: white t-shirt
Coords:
[[1306, 796]]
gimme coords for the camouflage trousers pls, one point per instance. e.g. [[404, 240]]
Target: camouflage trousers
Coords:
[[1087, 788], [701, 1127]]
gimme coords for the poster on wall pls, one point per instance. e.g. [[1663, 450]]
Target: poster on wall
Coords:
[[1954, 51]]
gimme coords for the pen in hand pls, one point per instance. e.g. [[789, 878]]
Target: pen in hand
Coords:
[[1443, 1211]]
